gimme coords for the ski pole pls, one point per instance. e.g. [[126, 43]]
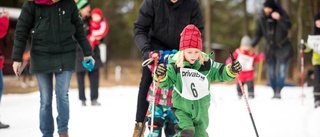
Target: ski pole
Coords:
[[302, 70], [155, 87], [245, 98]]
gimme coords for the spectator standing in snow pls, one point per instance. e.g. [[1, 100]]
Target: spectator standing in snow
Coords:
[[54, 27], [190, 72], [84, 7], [4, 25], [247, 58], [158, 27], [274, 24], [315, 61]]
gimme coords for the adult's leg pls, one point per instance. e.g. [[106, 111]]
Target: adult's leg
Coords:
[[282, 72], [272, 63], [143, 104], [46, 118], [62, 88], [81, 85], [94, 84]]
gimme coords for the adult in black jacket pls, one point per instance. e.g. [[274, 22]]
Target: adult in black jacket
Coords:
[[158, 27], [274, 24], [54, 24], [84, 7]]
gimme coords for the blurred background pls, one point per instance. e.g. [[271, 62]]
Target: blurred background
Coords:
[[226, 21]]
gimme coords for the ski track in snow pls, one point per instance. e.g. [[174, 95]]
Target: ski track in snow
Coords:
[[289, 117]]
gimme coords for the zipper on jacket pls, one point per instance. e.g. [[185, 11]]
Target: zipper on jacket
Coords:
[[192, 106], [60, 18]]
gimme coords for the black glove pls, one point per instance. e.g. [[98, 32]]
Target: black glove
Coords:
[[236, 66], [161, 70]]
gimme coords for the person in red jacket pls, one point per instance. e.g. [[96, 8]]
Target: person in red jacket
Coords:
[[4, 25], [247, 57], [99, 27]]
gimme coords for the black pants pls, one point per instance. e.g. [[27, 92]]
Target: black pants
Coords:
[[94, 84], [142, 105], [250, 86], [316, 82]]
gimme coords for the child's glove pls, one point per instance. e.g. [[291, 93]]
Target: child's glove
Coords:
[[161, 70], [236, 66], [262, 56]]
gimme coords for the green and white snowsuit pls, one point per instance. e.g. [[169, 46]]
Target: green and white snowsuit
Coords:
[[191, 96]]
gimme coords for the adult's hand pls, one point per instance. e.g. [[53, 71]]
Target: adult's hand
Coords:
[[275, 15], [16, 67]]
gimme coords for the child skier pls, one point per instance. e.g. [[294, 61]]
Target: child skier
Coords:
[[313, 45], [163, 116], [247, 57], [99, 27], [190, 72]]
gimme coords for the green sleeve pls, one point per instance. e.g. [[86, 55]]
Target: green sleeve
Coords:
[[220, 72]]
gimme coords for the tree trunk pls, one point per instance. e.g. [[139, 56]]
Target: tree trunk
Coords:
[[300, 26], [245, 18], [207, 26]]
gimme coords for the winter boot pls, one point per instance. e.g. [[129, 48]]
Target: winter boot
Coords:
[[95, 103], [276, 95], [63, 134], [317, 104], [83, 103], [3, 125], [251, 95], [137, 129]]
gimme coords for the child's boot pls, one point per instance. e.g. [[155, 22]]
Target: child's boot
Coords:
[[137, 129]]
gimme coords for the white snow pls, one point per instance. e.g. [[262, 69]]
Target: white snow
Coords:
[[289, 117]]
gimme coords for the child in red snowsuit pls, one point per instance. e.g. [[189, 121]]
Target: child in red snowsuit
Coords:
[[246, 55], [99, 27]]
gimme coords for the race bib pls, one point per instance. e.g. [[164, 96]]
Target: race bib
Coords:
[[314, 43], [246, 62], [194, 84]]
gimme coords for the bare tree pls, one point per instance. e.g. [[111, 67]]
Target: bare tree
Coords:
[[245, 18], [207, 26]]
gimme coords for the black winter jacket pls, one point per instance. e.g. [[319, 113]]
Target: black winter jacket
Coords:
[[160, 23], [275, 32], [53, 30]]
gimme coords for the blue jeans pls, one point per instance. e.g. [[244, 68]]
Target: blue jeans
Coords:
[[1, 84], [277, 80], [45, 82]]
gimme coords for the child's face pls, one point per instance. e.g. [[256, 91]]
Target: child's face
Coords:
[[96, 17], [192, 55], [174, 1], [246, 48], [318, 23]]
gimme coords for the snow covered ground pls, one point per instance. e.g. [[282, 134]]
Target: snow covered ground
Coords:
[[288, 117]]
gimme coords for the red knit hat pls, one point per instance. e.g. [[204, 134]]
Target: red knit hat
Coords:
[[97, 11], [190, 37]]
